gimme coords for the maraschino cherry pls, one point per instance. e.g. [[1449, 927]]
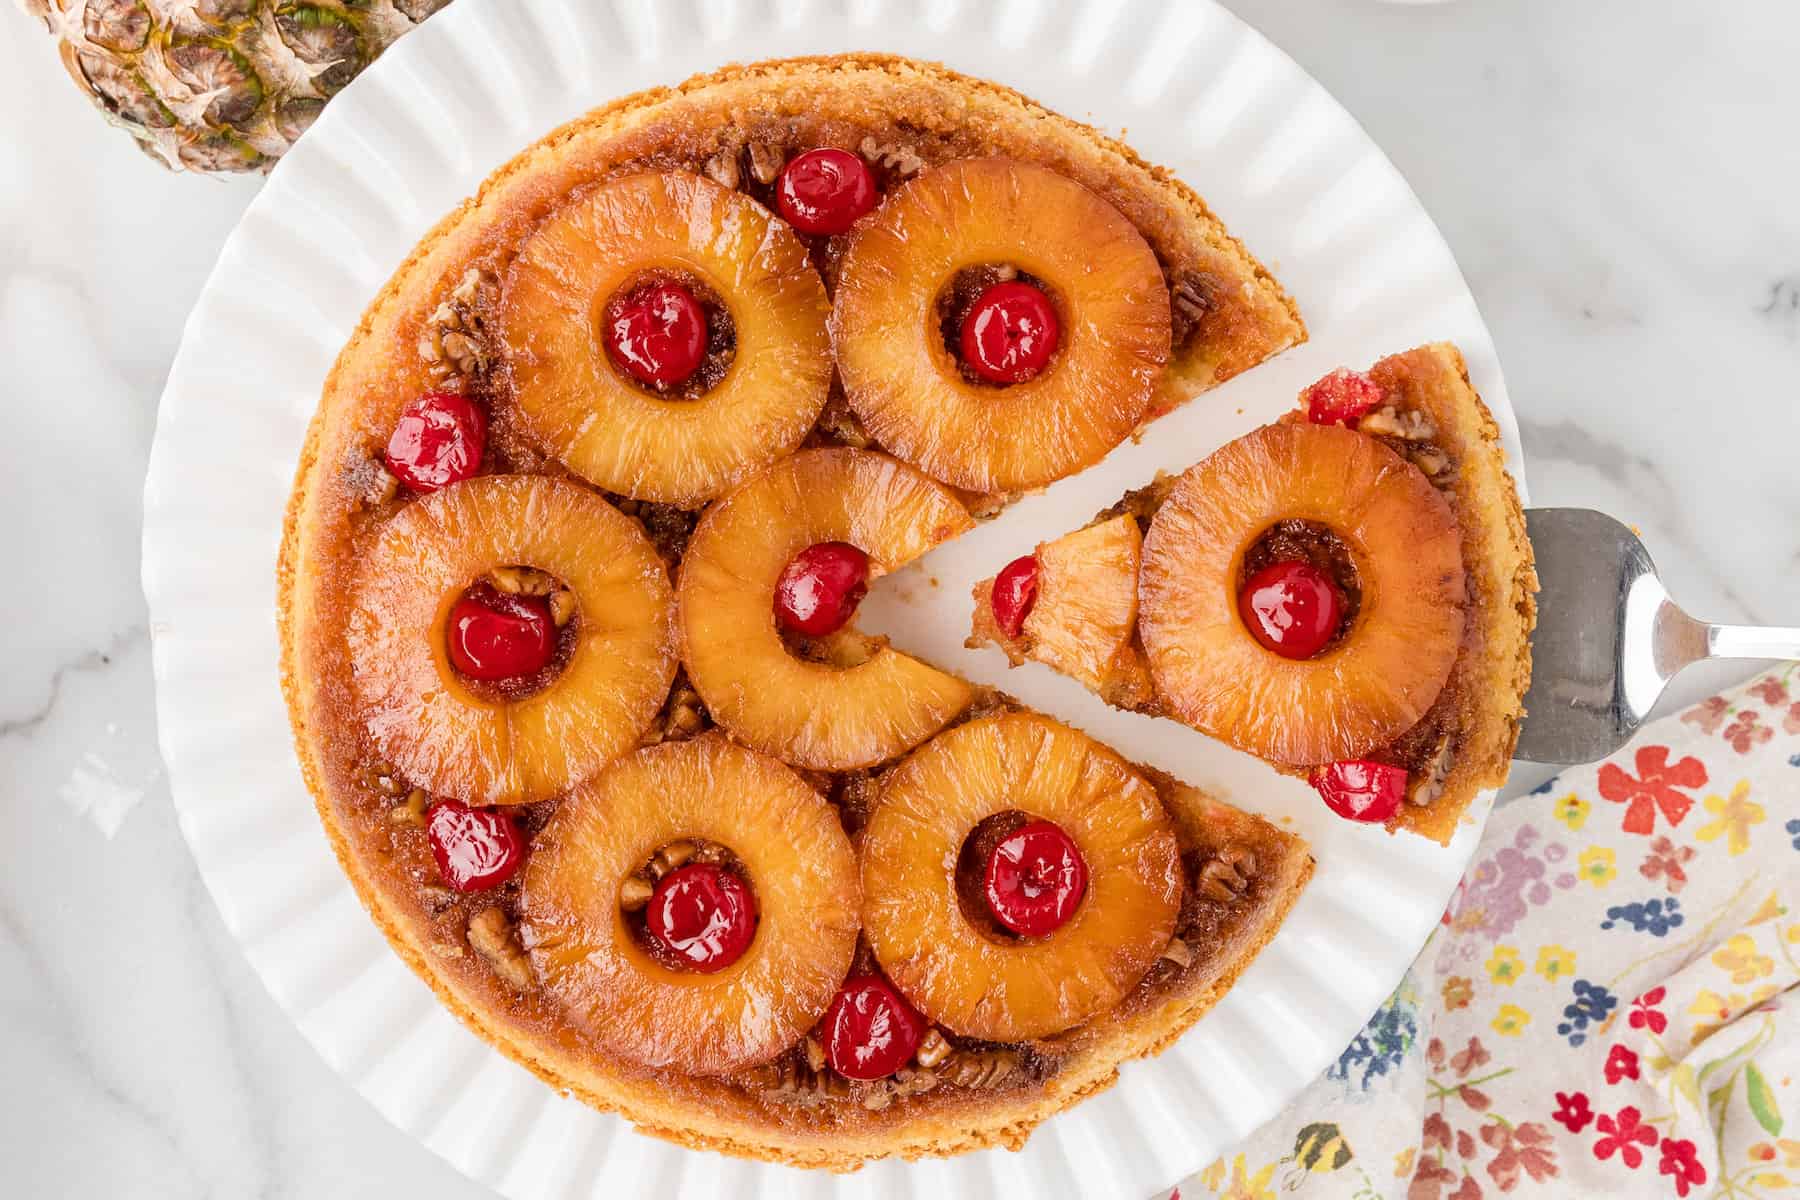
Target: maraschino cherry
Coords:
[[475, 848], [1292, 608], [824, 191], [820, 588], [437, 441], [870, 1031], [1342, 396], [495, 636], [657, 334], [1010, 333], [1035, 879], [1358, 790], [1015, 591], [702, 916]]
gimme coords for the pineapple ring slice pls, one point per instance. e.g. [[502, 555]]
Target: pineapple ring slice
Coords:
[[427, 721], [814, 714], [1388, 668], [1022, 988], [905, 385], [609, 430], [797, 858]]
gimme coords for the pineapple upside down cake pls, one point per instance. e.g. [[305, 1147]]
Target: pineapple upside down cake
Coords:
[[568, 589]]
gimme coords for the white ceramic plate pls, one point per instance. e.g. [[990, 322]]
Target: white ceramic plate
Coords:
[[1287, 169]]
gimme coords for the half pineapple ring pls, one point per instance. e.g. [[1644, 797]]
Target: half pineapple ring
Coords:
[[866, 703], [976, 983], [1381, 676], [426, 719], [796, 859], [616, 434], [905, 385]]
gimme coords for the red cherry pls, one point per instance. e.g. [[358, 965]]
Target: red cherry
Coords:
[[437, 441], [1360, 791], [1341, 397], [870, 1030], [658, 334], [819, 590], [497, 636], [1015, 591], [1292, 608], [475, 848], [1010, 333], [1035, 879], [702, 916], [824, 191]]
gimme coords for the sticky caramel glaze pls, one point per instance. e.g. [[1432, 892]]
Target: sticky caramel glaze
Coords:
[[1244, 318]]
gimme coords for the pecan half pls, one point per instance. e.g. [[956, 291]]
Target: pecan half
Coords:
[[897, 157], [1226, 876], [792, 1081], [980, 1068], [452, 340], [492, 935]]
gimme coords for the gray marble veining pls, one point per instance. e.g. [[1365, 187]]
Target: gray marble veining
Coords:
[[1616, 178]]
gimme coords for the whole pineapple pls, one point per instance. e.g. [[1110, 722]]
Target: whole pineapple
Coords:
[[221, 85]]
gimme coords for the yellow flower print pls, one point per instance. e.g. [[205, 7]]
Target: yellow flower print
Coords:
[[1554, 962], [1458, 991], [1504, 965], [1596, 865], [1572, 811], [1771, 908], [1213, 1176], [1739, 956], [1736, 814], [1403, 1162], [1715, 1011], [1510, 1021], [1244, 1186]]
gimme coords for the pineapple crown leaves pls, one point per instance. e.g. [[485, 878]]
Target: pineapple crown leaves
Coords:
[[220, 85]]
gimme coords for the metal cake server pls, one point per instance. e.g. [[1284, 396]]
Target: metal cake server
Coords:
[[1609, 639]]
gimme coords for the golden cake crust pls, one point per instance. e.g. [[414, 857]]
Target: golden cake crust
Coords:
[[398, 351]]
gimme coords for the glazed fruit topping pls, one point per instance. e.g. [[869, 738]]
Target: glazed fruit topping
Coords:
[[820, 588], [1015, 591], [437, 441], [475, 848], [702, 917], [1292, 608], [1341, 397], [495, 636], [1010, 333], [870, 1031], [824, 191], [657, 334], [1360, 791], [1036, 879]]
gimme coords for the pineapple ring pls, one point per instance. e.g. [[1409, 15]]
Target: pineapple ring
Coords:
[[1113, 307], [1388, 668], [797, 859], [611, 431], [813, 714], [431, 724], [975, 984]]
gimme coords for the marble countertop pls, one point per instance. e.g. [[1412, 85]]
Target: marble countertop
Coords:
[[1616, 178]]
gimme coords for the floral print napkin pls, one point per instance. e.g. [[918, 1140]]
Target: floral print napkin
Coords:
[[1607, 1007]]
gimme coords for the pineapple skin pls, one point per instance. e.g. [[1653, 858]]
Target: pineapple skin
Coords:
[[220, 85]]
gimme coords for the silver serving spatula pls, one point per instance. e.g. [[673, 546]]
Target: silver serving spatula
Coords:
[[1609, 639]]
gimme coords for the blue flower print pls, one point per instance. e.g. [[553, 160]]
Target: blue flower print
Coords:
[[1654, 917], [1381, 1046], [1793, 827], [1591, 1005]]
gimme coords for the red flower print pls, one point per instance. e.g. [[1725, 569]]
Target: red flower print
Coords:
[[1644, 1014], [1654, 788], [1708, 714], [1527, 1148], [1666, 861], [1572, 1111], [1469, 1057], [1746, 731], [1621, 1063], [1680, 1160], [1465, 1144], [1791, 724], [1435, 1133], [1770, 690], [1469, 1190], [1475, 1098], [1624, 1134], [1434, 1053], [1429, 1179]]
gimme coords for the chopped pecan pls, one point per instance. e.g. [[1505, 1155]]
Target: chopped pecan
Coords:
[[635, 892], [1432, 776], [410, 811], [383, 778], [933, 1049], [794, 1082], [903, 1083], [562, 606], [1177, 952], [897, 157], [1431, 460], [491, 934], [673, 855], [722, 168], [980, 1068], [523, 581], [766, 160], [1409, 425], [1226, 876], [815, 1053], [367, 478], [452, 341], [1189, 302], [682, 717]]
